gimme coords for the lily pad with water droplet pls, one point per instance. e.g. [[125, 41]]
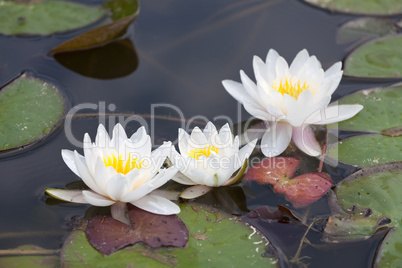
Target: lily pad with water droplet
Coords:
[[45, 17], [380, 58], [216, 240], [381, 116], [379, 189], [30, 109], [365, 7]]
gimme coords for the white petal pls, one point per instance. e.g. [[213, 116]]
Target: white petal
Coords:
[[183, 141], [68, 158], [74, 196], [159, 155], [300, 59], [282, 69], [119, 212], [305, 140], [102, 139], [260, 72], [257, 111], [139, 135], [237, 91], [182, 179], [209, 130], [195, 191], [245, 153], [89, 153], [119, 136], [103, 174], [276, 139], [157, 204], [85, 174], [225, 137], [117, 187], [197, 139], [97, 199], [334, 114]]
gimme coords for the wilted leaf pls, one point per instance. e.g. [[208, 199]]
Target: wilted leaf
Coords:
[[367, 7], [45, 17], [30, 109], [271, 170], [109, 235], [124, 12]]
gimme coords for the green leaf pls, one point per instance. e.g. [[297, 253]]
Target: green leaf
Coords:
[[45, 17], [124, 12], [364, 29], [380, 58], [216, 240], [29, 110], [382, 110], [367, 150], [378, 188], [368, 7]]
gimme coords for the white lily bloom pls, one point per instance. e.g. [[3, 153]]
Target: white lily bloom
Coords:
[[289, 99], [120, 170], [209, 159]]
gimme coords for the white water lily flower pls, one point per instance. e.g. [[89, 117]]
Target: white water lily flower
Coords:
[[209, 159], [120, 170], [290, 99]]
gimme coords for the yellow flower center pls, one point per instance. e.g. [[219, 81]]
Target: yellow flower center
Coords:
[[120, 165], [206, 151], [292, 89]]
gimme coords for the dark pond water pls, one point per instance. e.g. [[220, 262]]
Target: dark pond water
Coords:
[[183, 50]]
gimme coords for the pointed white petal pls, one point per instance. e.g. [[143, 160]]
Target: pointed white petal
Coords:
[[195, 191], [85, 174], [305, 140], [183, 141], [159, 155], [117, 187], [119, 212], [119, 136], [102, 139], [282, 69], [68, 158], [276, 139], [182, 179], [197, 139], [225, 137], [244, 154], [74, 196], [97, 199], [334, 114], [300, 59], [237, 91], [157, 204]]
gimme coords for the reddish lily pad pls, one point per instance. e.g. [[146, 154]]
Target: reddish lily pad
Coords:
[[301, 190], [109, 235]]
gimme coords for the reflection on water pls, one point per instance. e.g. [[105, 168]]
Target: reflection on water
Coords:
[[185, 49]]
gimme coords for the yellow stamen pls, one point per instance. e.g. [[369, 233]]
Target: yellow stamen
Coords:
[[120, 165], [287, 87], [206, 151]]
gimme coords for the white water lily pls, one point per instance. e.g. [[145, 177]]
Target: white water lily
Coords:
[[209, 159], [289, 99], [120, 170]]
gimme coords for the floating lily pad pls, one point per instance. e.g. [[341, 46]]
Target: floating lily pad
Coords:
[[35, 257], [377, 188], [301, 190], [367, 7], [210, 245], [364, 29], [382, 114], [45, 17], [29, 110], [124, 12], [380, 58]]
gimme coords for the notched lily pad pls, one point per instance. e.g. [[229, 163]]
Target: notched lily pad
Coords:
[[381, 116], [364, 29], [365, 7], [380, 58], [45, 17], [377, 188], [301, 190], [30, 109], [109, 235], [210, 245], [124, 12]]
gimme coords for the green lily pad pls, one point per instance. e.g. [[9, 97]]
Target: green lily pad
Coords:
[[379, 189], [45, 17], [364, 29], [367, 150], [382, 116], [380, 58], [32, 259], [30, 109], [210, 245], [367, 7], [124, 12]]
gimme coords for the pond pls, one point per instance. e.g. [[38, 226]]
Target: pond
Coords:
[[166, 72]]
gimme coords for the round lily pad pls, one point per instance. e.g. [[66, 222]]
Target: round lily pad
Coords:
[[30, 108], [365, 7], [378, 188], [45, 17], [216, 240], [380, 58]]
